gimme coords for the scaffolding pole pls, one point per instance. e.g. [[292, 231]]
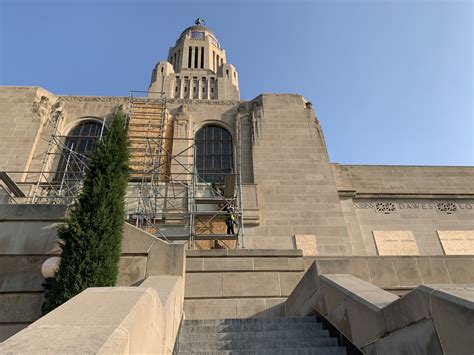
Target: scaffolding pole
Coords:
[[168, 195]]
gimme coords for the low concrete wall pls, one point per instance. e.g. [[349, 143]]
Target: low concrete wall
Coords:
[[400, 274], [240, 283], [432, 319], [28, 237], [109, 320]]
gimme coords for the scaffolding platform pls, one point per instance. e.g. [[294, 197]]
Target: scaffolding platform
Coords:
[[166, 196], [175, 203]]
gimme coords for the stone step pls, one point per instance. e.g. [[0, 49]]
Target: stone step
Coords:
[[257, 344], [254, 335], [254, 327], [287, 351], [238, 321]]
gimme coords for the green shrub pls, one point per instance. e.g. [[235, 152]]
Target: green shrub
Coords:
[[91, 236]]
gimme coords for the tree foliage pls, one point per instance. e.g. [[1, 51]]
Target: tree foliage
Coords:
[[91, 236]]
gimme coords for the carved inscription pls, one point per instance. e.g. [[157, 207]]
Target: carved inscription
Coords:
[[385, 207], [118, 99], [204, 102], [93, 99], [395, 243], [439, 206], [457, 242], [307, 243], [446, 207]]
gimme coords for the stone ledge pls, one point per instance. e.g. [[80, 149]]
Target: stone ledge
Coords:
[[28, 212], [399, 272], [241, 264], [243, 253]]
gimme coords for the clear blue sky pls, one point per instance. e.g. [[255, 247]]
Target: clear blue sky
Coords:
[[391, 81]]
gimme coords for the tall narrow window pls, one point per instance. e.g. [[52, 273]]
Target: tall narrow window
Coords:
[[214, 61], [190, 56], [196, 53], [174, 62], [195, 88], [214, 158], [202, 57], [186, 86], [81, 140], [217, 62], [177, 59]]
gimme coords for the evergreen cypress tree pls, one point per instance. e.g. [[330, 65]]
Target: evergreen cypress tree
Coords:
[[91, 236]]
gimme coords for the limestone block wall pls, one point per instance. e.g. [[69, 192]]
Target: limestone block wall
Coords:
[[27, 239], [23, 112], [73, 110], [422, 217], [422, 200], [386, 179], [26, 127], [296, 188], [240, 283], [399, 274]]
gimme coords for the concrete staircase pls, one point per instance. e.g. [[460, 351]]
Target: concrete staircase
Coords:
[[301, 335]]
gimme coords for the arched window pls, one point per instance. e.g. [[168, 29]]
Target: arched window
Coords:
[[80, 140], [214, 158]]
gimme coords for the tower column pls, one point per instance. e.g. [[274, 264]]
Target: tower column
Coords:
[[181, 88], [199, 88]]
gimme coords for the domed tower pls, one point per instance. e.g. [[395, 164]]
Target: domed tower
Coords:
[[196, 68]]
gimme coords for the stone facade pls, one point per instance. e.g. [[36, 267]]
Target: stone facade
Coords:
[[290, 187], [393, 227]]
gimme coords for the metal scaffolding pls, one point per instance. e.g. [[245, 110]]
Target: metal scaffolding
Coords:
[[166, 196], [62, 170], [174, 202]]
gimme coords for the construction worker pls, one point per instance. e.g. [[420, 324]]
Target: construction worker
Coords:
[[231, 220]]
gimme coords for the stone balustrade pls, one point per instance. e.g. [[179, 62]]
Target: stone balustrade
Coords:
[[431, 319], [109, 320]]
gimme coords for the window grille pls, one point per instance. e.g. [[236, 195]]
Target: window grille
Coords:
[[214, 158]]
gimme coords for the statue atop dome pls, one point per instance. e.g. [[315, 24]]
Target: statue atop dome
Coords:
[[200, 21]]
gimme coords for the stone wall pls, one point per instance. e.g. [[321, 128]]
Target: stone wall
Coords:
[[296, 188], [26, 126], [23, 112], [28, 237], [422, 200], [399, 274], [240, 283], [423, 217], [386, 179]]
